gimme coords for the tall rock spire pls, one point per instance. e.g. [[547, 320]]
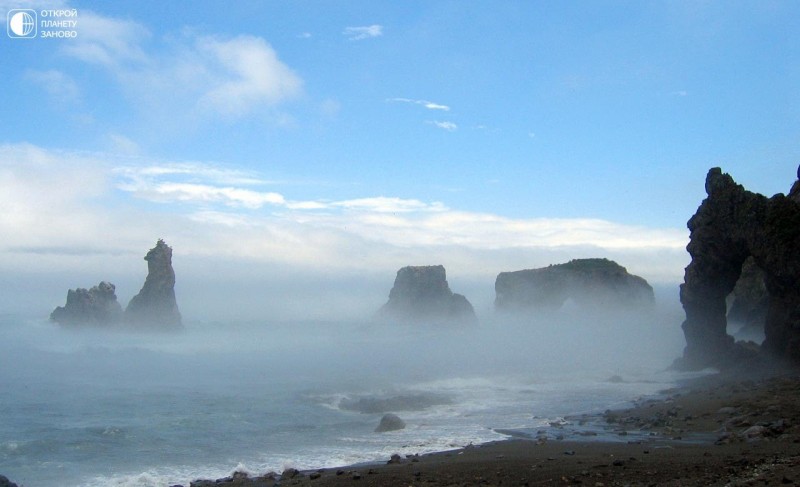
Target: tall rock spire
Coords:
[[155, 305]]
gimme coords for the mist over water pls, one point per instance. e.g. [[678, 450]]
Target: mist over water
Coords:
[[93, 407]]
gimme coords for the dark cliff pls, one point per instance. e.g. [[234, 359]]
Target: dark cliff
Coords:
[[155, 305], [731, 226], [421, 295], [594, 284]]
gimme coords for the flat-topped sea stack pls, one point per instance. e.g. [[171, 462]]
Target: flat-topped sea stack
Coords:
[[97, 306], [155, 305], [732, 227], [598, 285], [421, 295]]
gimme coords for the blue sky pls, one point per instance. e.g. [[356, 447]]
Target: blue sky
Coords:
[[373, 134]]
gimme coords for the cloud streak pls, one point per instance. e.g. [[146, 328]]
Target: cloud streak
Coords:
[[448, 126], [365, 32], [425, 103]]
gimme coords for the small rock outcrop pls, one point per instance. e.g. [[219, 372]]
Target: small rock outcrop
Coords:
[[155, 305], [390, 422], [730, 226], [97, 306], [421, 295], [596, 284]]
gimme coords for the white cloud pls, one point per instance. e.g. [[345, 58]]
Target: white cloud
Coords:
[[65, 203], [383, 204], [203, 193], [248, 74], [203, 184], [449, 126], [425, 103], [107, 41], [189, 76], [366, 32]]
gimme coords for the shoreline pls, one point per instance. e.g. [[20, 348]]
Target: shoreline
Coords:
[[721, 429]]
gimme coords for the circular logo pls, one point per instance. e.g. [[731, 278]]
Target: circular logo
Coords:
[[22, 24]]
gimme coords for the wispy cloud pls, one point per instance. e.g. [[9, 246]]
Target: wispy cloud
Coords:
[[144, 174], [108, 41], [383, 204], [425, 103], [61, 87], [123, 145], [205, 185], [365, 32], [449, 126], [250, 75], [192, 75]]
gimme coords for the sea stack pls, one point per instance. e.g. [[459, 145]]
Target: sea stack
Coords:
[[597, 285], [155, 305], [421, 295], [97, 306], [730, 226]]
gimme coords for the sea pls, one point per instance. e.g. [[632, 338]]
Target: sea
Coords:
[[91, 408]]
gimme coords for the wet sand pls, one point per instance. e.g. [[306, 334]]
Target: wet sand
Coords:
[[720, 430]]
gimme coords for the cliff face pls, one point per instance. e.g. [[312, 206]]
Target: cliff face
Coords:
[[421, 294], [730, 226], [591, 283], [750, 301], [155, 305], [95, 306]]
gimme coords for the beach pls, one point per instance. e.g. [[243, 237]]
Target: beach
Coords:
[[724, 429]]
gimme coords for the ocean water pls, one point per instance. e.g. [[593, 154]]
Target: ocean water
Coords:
[[92, 408]]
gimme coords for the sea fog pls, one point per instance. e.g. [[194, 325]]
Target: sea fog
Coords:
[[98, 407]]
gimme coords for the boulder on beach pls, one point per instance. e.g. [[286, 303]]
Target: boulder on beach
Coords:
[[155, 305], [421, 295], [390, 422], [97, 306], [591, 284]]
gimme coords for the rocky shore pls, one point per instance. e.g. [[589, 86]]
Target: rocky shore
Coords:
[[725, 429]]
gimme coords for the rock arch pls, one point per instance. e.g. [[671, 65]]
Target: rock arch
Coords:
[[731, 225]]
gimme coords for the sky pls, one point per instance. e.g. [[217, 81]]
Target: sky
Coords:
[[275, 144]]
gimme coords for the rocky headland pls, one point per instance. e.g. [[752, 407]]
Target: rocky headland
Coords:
[[154, 307], [593, 284], [732, 227], [421, 295]]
